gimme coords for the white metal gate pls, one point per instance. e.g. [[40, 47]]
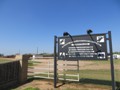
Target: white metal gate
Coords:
[[44, 68]]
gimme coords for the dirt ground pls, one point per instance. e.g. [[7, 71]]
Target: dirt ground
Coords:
[[48, 85], [83, 65], [43, 84]]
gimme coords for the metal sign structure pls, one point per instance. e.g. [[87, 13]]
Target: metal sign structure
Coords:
[[83, 47]]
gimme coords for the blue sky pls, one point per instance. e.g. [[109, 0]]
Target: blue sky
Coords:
[[28, 24]]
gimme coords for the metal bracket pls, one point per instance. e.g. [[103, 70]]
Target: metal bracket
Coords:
[[107, 38]]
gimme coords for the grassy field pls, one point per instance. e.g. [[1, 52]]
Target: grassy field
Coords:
[[4, 60], [94, 75]]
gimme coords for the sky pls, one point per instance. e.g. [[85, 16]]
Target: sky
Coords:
[[26, 25]]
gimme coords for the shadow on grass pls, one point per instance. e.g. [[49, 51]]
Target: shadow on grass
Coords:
[[118, 85], [81, 81], [95, 81], [28, 81], [91, 81], [13, 87], [99, 82], [63, 83]]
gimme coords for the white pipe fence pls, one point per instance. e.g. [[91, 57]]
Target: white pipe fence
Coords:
[[39, 68]]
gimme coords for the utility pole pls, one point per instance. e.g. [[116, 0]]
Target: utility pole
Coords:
[[19, 51], [37, 50]]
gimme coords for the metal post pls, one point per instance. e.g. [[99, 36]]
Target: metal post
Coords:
[[48, 69], [78, 69], [55, 62], [111, 61], [65, 67]]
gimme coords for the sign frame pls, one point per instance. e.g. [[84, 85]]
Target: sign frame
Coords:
[[110, 53], [80, 52]]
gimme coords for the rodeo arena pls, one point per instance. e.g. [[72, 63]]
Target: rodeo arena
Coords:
[[81, 59]]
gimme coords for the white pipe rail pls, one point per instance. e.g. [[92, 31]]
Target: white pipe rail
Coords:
[[48, 68]]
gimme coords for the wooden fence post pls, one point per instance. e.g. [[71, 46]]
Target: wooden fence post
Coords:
[[23, 68]]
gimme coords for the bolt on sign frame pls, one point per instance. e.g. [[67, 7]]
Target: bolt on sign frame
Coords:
[[83, 47]]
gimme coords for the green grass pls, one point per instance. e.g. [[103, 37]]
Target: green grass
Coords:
[[100, 76], [4, 61], [30, 88], [33, 63], [30, 64], [72, 89], [93, 74], [116, 61]]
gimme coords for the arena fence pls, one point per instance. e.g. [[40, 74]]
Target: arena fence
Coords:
[[85, 72], [13, 72], [44, 68], [9, 73]]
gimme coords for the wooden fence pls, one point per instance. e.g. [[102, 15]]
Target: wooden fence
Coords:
[[14, 72], [9, 73]]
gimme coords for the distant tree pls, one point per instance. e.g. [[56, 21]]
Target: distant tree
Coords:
[[29, 54], [1, 55], [47, 54], [116, 52], [10, 56]]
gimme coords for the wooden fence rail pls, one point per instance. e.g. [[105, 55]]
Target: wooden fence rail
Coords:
[[9, 73], [14, 72]]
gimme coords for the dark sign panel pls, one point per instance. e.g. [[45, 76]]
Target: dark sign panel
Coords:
[[83, 47]]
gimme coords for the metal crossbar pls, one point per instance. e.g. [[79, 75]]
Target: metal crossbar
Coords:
[[47, 70]]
